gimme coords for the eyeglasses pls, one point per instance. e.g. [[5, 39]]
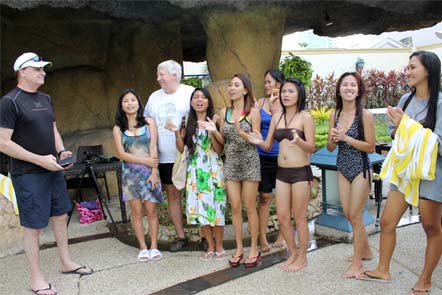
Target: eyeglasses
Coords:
[[35, 59]]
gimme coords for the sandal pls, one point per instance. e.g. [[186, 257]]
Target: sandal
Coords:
[[220, 255], [143, 255], [45, 290], [207, 256], [415, 291], [236, 260], [155, 254], [257, 261]]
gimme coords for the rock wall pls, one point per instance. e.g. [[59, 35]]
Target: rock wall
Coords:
[[11, 232], [95, 57], [246, 42]]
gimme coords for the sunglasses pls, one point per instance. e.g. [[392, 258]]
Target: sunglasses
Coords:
[[35, 59]]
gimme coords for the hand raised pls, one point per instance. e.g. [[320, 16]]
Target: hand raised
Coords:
[[395, 115], [295, 139], [274, 95], [170, 126], [255, 137], [207, 125]]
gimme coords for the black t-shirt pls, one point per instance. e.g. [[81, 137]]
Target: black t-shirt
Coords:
[[31, 116]]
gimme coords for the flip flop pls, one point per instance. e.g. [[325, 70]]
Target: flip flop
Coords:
[[428, 291], [207, 256], [78, 272], [49, 288], [366, 277], [220, 255], [155, 254]]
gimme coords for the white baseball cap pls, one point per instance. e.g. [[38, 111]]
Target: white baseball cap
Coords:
[[30, 59]]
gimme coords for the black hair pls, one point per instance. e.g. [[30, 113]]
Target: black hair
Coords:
[[192, 125], [120, 115], [276, 74], [301, 94], [358, 102], [431, 63]]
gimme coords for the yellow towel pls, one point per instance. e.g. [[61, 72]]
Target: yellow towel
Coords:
[[412, 158], [7, 190]]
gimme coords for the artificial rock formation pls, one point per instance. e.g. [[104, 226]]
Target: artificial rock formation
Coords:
[[11, 232], [100, 48], [244, 42], [95, 57]]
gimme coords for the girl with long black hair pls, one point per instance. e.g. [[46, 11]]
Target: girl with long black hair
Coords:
[[135, 139], [424, 105], [205, 186], [352, 130]]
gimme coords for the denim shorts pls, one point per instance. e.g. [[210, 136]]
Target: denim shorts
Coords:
[[41, 196]]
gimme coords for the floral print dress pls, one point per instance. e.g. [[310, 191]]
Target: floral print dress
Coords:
[[205, 186]]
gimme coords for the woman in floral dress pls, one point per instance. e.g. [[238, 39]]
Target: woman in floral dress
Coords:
[[205, 188]]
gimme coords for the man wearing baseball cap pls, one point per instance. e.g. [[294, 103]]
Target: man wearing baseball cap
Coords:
[[29, 135]]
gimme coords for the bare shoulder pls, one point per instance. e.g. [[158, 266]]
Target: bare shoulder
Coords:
[[367, 114], [305, 115], [150, 120]]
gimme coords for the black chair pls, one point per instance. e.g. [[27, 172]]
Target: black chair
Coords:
[[84, 153]]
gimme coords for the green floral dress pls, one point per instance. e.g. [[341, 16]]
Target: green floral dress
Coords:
[[205, 186]]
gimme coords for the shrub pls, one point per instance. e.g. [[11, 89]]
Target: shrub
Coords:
[[297, 67], [384, 89], [196, 82], [321, 114], [321, 92]]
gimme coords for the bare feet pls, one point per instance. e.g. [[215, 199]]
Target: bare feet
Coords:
[[299, 264], [280, 243], [290, 260], [366, 257], [355, 270], [265, 247]]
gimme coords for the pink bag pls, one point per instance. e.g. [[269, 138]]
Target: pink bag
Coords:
[[89, 211]]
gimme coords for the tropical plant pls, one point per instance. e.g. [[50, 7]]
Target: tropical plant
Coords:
[[383, 88], [322, 92], [196, 82], [296, 67], [321, 114]]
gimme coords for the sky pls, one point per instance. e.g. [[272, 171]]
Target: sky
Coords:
[[421, 37]]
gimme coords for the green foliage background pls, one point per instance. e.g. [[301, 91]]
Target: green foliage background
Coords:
[[296, 67]]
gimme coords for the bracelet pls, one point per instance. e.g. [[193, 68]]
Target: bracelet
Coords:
[[59, 153]]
